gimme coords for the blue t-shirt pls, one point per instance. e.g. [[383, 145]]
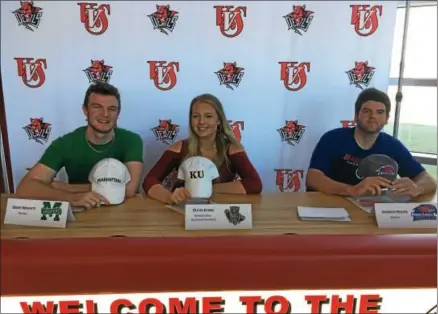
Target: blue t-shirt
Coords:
[[338, 155]]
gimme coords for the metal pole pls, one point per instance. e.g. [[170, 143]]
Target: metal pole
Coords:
[[399, 94], [3, 165]]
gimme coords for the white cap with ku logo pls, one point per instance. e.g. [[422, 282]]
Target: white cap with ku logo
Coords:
[[198, 173]]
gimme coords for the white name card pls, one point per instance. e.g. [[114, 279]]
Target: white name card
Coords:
[[38, 213], [406, 215], [218, 216]]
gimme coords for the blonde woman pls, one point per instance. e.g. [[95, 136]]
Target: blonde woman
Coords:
[[210, 136]]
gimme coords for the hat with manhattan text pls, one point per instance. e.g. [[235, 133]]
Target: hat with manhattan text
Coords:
[[109, 178]]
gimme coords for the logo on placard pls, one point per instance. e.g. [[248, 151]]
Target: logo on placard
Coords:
[[32, 71], [51, 212], [361, 75], [294, 74], [365, 18], [233, 215], [230, 19], [163, 74], [94, 16], [299, 19], [38, 130], [288, 180], [166, 131], [348, 123], [424, 212], [99, 71], [28, 15], [164, 19], [433, 310], [292, 132], [237, 127], [230, 75]]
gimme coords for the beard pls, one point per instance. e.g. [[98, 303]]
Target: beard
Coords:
[[367, 130]]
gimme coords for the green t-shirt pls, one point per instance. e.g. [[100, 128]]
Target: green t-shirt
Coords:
[[73, 152]]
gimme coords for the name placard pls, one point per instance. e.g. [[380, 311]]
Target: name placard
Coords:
[[406, 215], [38, 213], [218, 216]]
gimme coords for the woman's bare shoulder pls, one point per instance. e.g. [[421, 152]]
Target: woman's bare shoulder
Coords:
[[235, 149]]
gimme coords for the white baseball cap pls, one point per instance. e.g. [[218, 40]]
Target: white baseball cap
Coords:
[[108, 178], [198, 173]]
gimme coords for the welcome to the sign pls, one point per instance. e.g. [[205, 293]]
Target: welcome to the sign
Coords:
[[293, 301]]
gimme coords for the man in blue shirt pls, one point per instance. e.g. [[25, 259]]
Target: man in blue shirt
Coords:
[[335, 160]]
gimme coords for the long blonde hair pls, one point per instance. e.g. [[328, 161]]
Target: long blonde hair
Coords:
[[224, 134]]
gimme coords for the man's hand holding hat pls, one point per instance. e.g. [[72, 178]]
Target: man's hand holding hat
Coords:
[[88, 200], [369, 186], [405, 186], [380, 172]]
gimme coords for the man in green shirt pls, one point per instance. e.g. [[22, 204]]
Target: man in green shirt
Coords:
[[80, 150]]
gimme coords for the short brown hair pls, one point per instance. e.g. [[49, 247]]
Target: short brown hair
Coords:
[[102, 88], [374, 95]]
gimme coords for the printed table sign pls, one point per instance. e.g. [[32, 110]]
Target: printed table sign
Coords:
[[406, 215], [218, 216], [38, 213]]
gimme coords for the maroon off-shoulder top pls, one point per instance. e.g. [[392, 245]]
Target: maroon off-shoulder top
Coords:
[[239, 167]]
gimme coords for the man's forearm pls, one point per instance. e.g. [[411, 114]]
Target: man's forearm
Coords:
[[31, 188], [72, 188], [324, 184], [426, 184]]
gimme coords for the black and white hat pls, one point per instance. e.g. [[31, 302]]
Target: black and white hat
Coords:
[[109, 178]]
